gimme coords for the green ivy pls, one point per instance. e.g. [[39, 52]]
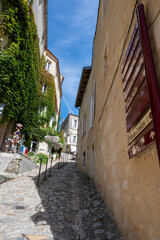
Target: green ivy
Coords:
[[61, 136], [19, 65], [39, 133], [47, 99]]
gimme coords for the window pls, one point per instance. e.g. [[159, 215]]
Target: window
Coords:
[[52, 121], [74, 139], [83, 159], [93, 105], [92, 161], [94, 99], [48, 65], [44, 88], [45, 110], [104, 6], [83, 125], [74, 123], [91, 114], [87, 154]]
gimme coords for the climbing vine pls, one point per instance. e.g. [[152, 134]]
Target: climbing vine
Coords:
[[47, 98], [19, 65], [47, 103]]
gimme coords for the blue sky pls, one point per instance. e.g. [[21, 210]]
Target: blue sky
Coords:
[[71, 29]]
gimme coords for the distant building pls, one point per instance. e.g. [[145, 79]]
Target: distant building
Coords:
[[70, 126]]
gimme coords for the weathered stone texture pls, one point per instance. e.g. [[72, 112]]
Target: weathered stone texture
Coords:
[[130, 188]]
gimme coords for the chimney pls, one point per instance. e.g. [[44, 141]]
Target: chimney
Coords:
[[62, 119], [68, 112]]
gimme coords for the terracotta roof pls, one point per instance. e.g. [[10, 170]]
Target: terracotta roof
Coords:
[[82, 85]]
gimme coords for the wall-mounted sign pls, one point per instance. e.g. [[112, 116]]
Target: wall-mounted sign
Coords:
[[142, 143], [140, 89], [141, 125]]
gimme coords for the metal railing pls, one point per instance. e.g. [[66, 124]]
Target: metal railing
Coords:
[[62, 160]]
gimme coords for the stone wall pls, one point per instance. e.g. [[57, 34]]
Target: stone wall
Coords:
[[130, 187]]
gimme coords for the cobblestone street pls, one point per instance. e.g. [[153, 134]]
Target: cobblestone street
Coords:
[[65, 207]]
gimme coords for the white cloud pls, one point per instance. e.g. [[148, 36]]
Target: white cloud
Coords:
[[67, 104], [72, 77], [79, 21], [85, 13]]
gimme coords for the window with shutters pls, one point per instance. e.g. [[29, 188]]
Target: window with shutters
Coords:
[[93, 105], [74, 123], [83, 125], [92, 161], [48, 64], [84, 159], [104, 7], [74, 139], [91, 111], [44, 88]]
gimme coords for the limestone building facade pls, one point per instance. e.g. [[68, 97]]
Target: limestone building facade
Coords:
[[70, 126], [52, 66], [129, 186]]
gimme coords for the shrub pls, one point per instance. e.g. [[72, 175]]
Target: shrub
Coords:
[[43, 156], [30, 154]]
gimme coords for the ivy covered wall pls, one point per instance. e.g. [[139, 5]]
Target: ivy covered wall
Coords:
[[19, 65], [47, 98], [47, 103], [23, 74]]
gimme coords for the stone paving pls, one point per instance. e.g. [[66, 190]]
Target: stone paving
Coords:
[[65, 207]]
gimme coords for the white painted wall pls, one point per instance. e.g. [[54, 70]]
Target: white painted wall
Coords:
[[71, 131], [38, 10]]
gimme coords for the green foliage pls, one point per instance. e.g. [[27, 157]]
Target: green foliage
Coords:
[[19, 65], [39, 133], [31, 2], [43, 156], [47, 99], [59, 117], [61, 136], [30, 154], [68, 148]]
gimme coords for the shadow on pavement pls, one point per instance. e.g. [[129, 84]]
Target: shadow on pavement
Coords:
[[58, 207], [71, 208]]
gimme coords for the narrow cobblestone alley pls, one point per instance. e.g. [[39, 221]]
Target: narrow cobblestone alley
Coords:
[[65, 207]]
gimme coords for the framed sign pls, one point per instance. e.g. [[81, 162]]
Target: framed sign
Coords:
[[141, 91]]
